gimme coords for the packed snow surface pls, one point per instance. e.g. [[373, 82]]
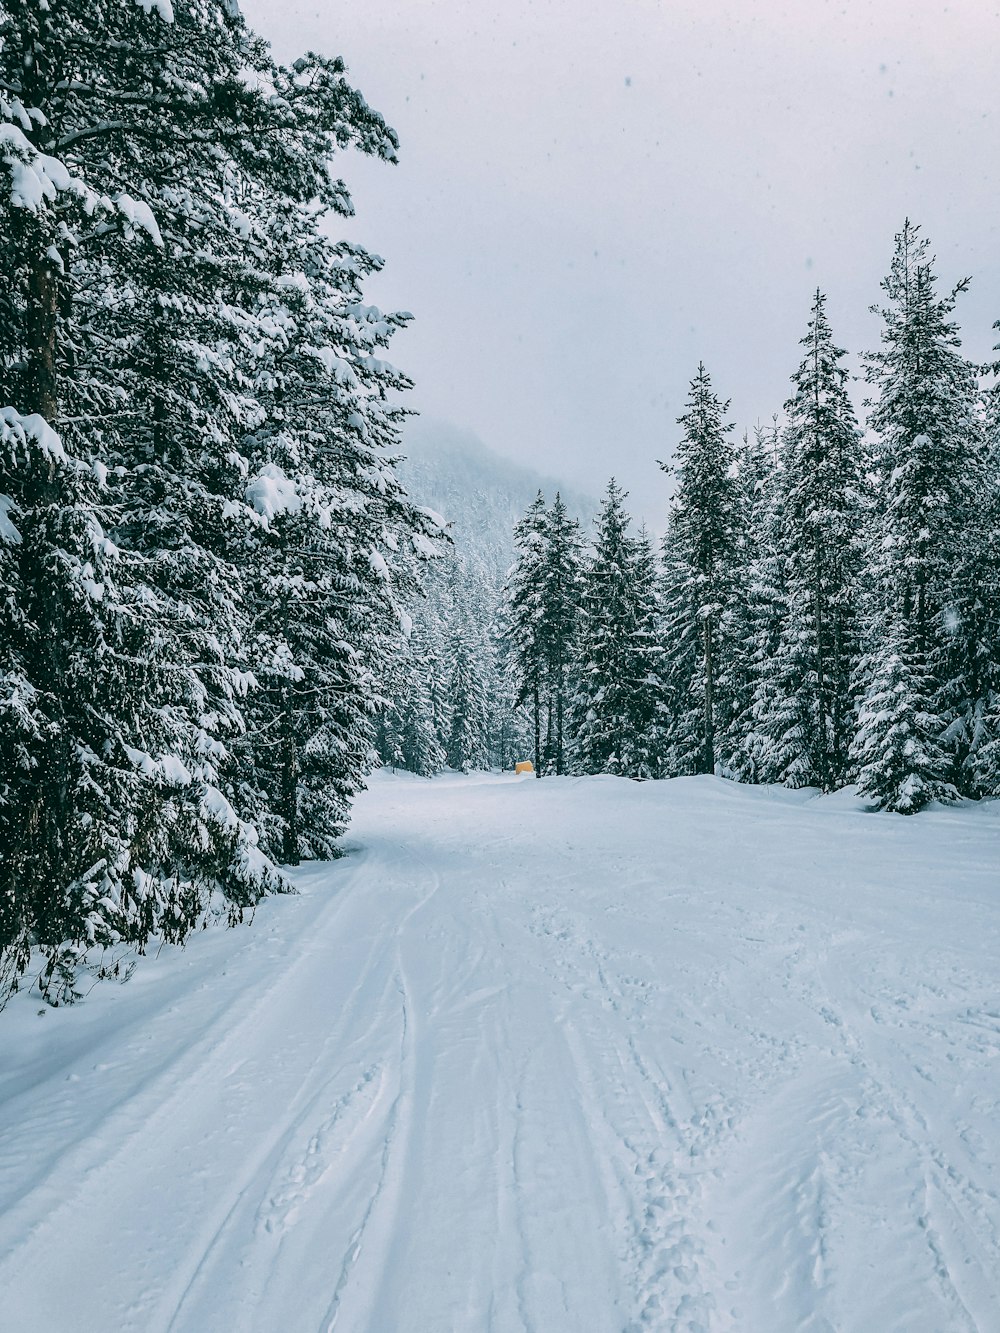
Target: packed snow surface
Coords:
[[574, 1055]]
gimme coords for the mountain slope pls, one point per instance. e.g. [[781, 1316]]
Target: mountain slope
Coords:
[[481, 493]]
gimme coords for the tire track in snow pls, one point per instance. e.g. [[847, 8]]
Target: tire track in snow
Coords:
[[863, 1042], [381, 1220], [320, 1157], [281, 1181], [816, 1162], [131, 1120], [652, 1143], [603, 1037]]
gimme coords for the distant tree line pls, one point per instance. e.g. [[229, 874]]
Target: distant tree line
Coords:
[[451, 695], [826, 607]]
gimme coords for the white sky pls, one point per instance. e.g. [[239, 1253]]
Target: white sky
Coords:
[[593, 196]]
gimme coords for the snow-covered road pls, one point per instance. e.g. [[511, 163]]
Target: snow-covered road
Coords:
[[575, 1056]]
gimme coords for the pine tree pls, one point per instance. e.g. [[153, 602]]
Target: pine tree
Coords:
[[754, 620], [929, 461], [174, 310], [700, 567], [980, 723], [467, 746], [559, 613], [898, 750], [821, 505], [524, 615], [645, 756], [415, 720], [616, 719], [426, 717], [343, 541], [137, 830]]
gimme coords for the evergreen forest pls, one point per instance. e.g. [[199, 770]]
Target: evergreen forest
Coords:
[[221, 607]]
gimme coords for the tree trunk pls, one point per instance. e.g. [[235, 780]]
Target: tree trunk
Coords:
[[560, 768], [709, 696], [43, 337], [548, 731], [536, 700], [51, 820], [289, 760], [822, 709]]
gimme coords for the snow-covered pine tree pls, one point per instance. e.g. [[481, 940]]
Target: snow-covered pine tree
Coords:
[[981, 723], [618, 694], [821, 512], [646, 755], [680, 641], [524, 615], [929, 462], [431, 661], [500, 727], [754, 620], [511, 727], [700, 564], [456, 686], [561, 587], [476, 599], [343, 541], [898, 750], [141, 268], [125, 769], [425, 714], [70, 796], [467, 747]]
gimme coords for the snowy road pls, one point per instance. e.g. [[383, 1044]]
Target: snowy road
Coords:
[[577, 1056]]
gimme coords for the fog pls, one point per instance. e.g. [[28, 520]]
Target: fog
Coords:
[[592, 197]]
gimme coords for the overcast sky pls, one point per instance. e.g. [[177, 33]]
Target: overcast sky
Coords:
[[593, 196]]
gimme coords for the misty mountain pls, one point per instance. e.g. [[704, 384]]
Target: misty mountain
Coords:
[[480, 493]]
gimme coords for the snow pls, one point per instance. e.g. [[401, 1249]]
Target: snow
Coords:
[[424, 547], [9, 531], [271, 493], [19, 429], [437, 519], [217, 807], [578, 1054], [35, 177], [137, 211], [336, 365], [162, 7], [175, 772]]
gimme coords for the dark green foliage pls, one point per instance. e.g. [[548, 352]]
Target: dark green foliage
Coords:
[[525, 617], [618, 707], [820, 498], [189, 684], [929, 459], [700, 582]]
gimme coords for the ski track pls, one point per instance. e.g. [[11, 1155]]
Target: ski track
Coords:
[[574, 1055]]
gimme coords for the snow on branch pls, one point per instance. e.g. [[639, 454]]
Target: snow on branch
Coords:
[[36, 178], [272, 493], [139, 214], [17, 431], [162, 7], [9, 533]]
